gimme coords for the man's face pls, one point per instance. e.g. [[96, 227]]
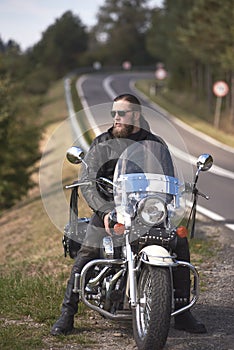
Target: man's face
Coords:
[[123, 125]]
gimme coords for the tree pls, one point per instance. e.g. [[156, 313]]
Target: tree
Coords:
[[21, 76], [62, 44], [121, 29], [209, 36], [163, 42], [19, 139], [2, 46], [156, 42], [209, 30]]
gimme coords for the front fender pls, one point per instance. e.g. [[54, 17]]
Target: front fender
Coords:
[[156, 255]]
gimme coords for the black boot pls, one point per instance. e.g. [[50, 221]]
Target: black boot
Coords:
[[187, 322], [181, 280], [65, 324]]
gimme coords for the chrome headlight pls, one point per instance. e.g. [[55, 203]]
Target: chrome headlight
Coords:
[[152, 210]]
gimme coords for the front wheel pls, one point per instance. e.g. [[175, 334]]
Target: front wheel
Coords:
[[151, 317]]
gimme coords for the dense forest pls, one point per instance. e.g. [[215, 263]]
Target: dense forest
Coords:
[[193, 39]]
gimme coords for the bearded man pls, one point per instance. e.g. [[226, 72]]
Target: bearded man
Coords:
[[129, 126]]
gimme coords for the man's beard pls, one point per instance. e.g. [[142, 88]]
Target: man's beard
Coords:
[[125, 131]]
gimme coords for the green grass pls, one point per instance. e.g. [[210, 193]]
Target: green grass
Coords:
[[31, 305], [202, 249], [18, 336], [37, 296], [28, 308]]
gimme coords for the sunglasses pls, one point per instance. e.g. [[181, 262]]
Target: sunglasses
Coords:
[[120, 113]]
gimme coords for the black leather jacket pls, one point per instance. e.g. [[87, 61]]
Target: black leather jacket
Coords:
[[102, 156]]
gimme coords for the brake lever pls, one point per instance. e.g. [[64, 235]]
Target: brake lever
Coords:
[[198, 193], [203, 195], [77, 184]]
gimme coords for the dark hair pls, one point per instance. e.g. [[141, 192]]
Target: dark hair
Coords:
[[131, 99]]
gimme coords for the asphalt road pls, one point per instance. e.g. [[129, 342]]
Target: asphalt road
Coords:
[[98, 90]]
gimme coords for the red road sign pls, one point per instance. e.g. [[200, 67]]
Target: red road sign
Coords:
[[127, 65], [220, 88], [160, 73]]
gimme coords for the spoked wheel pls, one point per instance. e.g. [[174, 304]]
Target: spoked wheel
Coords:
[[151, 318]]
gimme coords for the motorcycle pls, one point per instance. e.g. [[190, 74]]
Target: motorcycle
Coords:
[[133, 279]]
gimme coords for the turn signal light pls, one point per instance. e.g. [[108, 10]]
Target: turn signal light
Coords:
[[182, 231], [119, 229]]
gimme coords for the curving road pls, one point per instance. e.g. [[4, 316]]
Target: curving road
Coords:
[[97, 89]]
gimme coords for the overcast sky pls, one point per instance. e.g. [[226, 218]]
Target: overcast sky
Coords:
[[25, 20]]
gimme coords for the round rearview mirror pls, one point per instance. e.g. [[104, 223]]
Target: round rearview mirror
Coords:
[[204, 162], [75, 155]]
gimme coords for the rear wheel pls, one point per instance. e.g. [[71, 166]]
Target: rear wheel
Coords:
[[151, 318]]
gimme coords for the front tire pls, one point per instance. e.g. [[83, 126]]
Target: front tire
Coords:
[[151, 317]]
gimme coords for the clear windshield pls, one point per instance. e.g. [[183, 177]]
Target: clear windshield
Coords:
[[146, 169]]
